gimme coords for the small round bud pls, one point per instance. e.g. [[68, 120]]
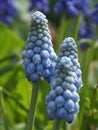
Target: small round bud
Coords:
[[61, 113], [46, 62], [67, 94], [69, 105], [59, 101], [26, 62], [75, 96], [69, 117], [52, 94], [51, 106], [30, 53], [36, 59], [76, 107], [58, 90], [46, 73], [48, 99], [44, 54], [24, 54], [34, 77], [30, 68]]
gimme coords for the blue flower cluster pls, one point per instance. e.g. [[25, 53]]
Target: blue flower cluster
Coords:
[[72, 7], [86, 31], [62, 101], [90, 16], [7, 11], [41, 5], [95, 14], [39, 56]]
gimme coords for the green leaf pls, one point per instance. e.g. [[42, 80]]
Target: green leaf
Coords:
[[8, 41]]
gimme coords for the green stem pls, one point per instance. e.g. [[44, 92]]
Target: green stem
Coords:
[[3, 109], [57, 124], [33, 104], [76, 32]]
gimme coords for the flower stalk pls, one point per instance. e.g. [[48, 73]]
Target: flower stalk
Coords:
[[57, 124], [33, 104]]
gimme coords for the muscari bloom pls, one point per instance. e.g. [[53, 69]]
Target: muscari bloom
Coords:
[[62, 101], [39, 56], [8, 11], [94, 14], [42, 5], [72, 7], [86, 31]]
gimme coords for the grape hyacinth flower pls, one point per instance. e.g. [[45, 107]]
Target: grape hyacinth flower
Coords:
[[72, 7], [42, 5], [86, 31], [95, 14], [39, 56], [62, 101], [8, 11]]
